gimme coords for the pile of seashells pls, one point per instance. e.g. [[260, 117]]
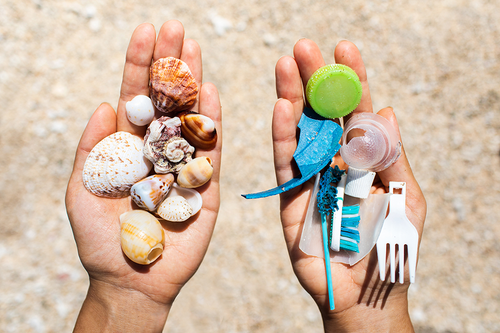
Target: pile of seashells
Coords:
[[120, 164]]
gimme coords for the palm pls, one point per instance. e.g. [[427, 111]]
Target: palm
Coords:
[[95, 220], [352, 284]]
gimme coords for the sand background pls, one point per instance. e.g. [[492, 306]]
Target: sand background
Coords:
[[436, 62]]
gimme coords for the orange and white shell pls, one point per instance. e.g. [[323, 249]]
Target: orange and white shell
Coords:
[[151, 191], [142, 236], [114, 165], [173, 87], [196, 172], [198, 130]]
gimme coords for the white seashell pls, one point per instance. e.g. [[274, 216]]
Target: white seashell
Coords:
[[175, 209], [142, 236], [114, 165], [191, 195], [196, 172], [151, 191], [140, 110]]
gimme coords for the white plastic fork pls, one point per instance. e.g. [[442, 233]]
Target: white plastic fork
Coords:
[[397, 230]]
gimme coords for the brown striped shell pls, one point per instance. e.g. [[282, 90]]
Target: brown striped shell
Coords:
[[198, 130], [173, 87]]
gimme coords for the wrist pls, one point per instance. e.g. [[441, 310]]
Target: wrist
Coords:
[[389, 316], [108, 308]]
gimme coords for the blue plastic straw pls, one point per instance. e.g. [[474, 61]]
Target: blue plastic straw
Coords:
[[326, 249]]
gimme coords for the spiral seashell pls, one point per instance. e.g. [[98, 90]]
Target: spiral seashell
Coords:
[[151, 191], [196, 172], [164, 146], [173, 87], [198, 130], [142, 236], [175, 209], [114, 165], [140, 110]]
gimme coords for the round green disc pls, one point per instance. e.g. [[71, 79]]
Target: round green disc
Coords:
[[334, 91]]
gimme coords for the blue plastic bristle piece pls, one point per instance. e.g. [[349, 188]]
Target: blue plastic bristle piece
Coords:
[[348, 245], [350, 209], [350, 221], [349, 234]]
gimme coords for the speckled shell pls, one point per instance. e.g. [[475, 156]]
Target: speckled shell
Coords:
[[164, 146], [142, 236], [195, 173], [140, 110], [173, 87], [114, 165], [175, 209], [191, 195], [198, 130], [151, 191]]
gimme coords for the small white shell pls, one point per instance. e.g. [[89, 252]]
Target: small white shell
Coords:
[[142, 236], [175, 209], [140, 110], [151, 191], [196, 172], [191, 195], [114, 165]]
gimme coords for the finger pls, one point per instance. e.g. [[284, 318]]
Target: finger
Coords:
[[101, 124], [346, 53], [284, 139], [289, 84], [136, 74], [308, 57], [191, 55], [170, 40], [401, 171]]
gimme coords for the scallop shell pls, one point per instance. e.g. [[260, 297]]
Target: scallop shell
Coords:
[[142, 236], [198, 130], [164, 146], [114, 165], [196, 172], [173, 87], [140, 110], [175, 209], [191, 195], [151, 191]]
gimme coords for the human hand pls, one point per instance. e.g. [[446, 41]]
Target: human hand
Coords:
[[124, 296], [362, 301]]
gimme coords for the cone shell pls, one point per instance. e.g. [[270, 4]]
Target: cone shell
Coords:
[[114, 165], [195, 173], [173, 87], [142, 236], [151, 191], [175, 209], [198, 130]]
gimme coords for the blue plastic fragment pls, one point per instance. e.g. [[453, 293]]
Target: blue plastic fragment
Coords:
[[318, 143]]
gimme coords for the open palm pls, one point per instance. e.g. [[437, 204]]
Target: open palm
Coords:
[[95, 220], [353, 285]]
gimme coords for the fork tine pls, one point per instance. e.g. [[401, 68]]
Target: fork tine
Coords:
[[412, 261], [392, 255], [381, 260], [401, 263]]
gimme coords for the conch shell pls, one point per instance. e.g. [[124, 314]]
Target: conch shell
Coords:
[[164, 146], [198, 130], [142, 236], [173, 87], [196, 172], [114, 165], [151, 191]]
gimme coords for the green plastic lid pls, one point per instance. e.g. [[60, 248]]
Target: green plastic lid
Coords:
[[334, 91]]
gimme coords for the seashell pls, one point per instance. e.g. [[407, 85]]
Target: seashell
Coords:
[[140, 110], [151, 191], [198, 130], [191, 195], [164, 146], [114, 165], [175, 209], [142, 236], [196, 172], [173, 87]]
